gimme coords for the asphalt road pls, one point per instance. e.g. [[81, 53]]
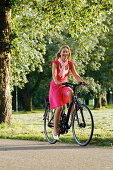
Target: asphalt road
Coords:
[[33, 155]]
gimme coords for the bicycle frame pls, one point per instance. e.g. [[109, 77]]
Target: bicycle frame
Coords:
[[74, 102]]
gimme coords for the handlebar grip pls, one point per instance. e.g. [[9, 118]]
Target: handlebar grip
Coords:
[[83, 83], [70, 84], [66, 84]]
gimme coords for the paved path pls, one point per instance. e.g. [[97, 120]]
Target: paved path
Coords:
[[33, 155]]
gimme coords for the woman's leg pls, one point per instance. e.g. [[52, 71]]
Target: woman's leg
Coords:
[[56, 119]]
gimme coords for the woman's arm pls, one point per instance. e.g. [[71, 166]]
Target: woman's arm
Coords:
[[54, 74], [77, 77]]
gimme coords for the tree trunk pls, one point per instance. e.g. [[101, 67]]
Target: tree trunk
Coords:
[[28, 101], [104, 100], [108, 97], [87, 101], [27, 97], [28, 91], [5, 31], [97, 102]]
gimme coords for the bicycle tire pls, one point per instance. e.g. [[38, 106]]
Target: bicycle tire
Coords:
[[49, 124], [83, 135]]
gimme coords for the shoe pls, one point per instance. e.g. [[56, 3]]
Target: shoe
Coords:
[[55, 137]]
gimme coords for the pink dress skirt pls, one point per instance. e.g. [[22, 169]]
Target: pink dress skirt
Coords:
[[58, 94]]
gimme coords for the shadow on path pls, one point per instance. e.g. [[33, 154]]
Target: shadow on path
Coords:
[[43, 147], [31, 147]]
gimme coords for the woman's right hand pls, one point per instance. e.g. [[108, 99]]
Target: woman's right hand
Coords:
[[58, 83]]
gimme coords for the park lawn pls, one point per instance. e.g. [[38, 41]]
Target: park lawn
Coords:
[[30, 126]]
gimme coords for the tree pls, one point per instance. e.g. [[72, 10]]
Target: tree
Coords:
[[102, 73], [37, 81], [5, 32], [87, 55], [78, 57], [105, 72], [32, 21]]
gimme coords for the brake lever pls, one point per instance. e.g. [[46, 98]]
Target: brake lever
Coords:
[[66, 84], [84, 84]]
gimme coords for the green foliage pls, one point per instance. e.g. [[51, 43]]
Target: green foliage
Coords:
[[33, 20], [40, 27], [27, 42], [103, 75], [106, 68], [96, 59]]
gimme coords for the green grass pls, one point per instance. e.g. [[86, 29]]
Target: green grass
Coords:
[[26, 112], [29, 126]]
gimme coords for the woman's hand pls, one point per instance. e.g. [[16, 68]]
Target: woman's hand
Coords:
[[58, 83], [86, 83]]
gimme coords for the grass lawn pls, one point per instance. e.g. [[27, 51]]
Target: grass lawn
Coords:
[[30, 126]]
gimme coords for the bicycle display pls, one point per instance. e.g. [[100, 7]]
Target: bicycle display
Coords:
[[81, 122]]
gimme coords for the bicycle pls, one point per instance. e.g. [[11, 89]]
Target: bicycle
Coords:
[[81, 122]]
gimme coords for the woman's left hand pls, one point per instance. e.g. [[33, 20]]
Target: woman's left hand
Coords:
[[86, 83]]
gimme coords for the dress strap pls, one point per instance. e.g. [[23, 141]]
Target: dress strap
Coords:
[[56, 62]]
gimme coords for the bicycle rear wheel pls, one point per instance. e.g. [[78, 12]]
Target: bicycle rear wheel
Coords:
[[82, 132], [49, 124]]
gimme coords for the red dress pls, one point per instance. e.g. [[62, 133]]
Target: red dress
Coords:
[[58, 94]]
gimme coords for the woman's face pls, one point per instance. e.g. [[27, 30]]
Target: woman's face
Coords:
[[64, 54]]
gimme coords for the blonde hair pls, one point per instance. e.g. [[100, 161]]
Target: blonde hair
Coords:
[[64, 46]]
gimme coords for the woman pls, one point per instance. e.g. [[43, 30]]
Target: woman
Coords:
[[59, 94]]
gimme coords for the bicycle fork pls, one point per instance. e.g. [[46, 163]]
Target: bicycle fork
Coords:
[[83, 124]]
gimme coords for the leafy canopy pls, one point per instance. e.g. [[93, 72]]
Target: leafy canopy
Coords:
[[34, 20]]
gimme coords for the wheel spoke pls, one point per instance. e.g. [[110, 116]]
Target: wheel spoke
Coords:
[[49, 124], [83, 131]]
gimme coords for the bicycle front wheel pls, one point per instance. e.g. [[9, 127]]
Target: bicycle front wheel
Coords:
[[49, 124], [82, 125]]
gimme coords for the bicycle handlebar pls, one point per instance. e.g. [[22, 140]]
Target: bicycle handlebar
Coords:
[[74, 85]]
